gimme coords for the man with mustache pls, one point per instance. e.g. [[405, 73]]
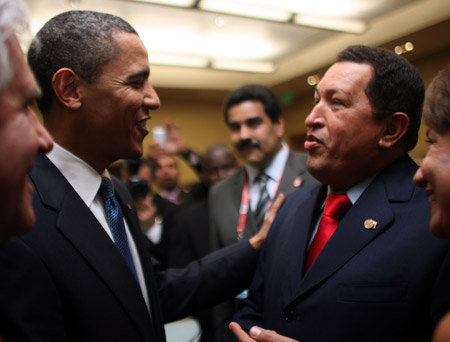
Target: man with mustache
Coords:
[[379, 274], [254, 118], [84, 273]]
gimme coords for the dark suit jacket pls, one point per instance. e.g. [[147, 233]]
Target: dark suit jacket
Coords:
[[67, 281], [225, 199], [385, 284]]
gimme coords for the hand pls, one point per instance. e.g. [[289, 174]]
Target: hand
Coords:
[[175, 143], [146, 211], [257, 334], [258, 239], [155, 150]]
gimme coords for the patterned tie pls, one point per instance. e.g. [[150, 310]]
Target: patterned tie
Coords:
[[115, 220], [264, 199], [336, 205]]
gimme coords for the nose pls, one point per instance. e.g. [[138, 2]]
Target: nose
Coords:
[[44, 140], [151, 99], [419, 178], [314, 119], [244, 132]]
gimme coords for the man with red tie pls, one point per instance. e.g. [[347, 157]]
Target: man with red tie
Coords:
[[351, 258]]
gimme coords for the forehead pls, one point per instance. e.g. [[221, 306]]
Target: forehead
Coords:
[[348, 77], [247, 110], [166, 160], [22, 87], [132, 57]]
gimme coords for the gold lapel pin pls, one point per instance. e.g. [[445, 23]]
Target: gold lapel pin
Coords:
[[297, 182], [129, 206], [370, 224]]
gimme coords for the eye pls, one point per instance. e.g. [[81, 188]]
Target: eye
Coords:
[[234, 127], [254, 122]]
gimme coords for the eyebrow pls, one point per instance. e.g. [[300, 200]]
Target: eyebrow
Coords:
[[143, 73]]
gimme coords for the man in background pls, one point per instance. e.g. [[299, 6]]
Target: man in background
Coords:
[[190, 238], [22, 137]]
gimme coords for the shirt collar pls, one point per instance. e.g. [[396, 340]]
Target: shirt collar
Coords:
[[82, 177], [275, 169], [355, 192]]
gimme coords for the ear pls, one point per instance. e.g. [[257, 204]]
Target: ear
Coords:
[[280, 126], [395, 129], [65, 84]]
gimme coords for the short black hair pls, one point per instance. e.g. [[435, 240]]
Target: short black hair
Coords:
[[255, 92], [396, 86], [79, 40]]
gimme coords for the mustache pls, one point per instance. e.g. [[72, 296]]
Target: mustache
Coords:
[[246, 144]]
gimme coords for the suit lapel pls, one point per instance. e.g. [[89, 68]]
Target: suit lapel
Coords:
[[142, 245], [350, 236], [293, 177], [80, 227], [393, 184]]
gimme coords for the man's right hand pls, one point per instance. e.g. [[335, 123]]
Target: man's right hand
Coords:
[[257, 334]]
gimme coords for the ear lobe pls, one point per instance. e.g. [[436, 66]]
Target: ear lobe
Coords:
[[280, 124], [65, 85], [396, 127]]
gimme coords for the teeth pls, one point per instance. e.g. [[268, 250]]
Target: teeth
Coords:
[[142, 123]]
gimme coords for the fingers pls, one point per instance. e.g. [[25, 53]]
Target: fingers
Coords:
[[258, 239], [274, 208], [240, 334], [263, 335]]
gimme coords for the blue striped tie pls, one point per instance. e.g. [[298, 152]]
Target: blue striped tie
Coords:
[[115, 220]]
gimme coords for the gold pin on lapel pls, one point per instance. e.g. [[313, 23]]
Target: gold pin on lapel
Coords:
[[297, 182], [129, 206], [370, 224]]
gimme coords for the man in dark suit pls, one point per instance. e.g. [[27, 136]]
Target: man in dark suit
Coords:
[[22, 137], [84, 273], [381, 276], [256, 125]]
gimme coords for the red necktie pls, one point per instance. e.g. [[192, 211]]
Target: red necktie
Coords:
[[335, 207]]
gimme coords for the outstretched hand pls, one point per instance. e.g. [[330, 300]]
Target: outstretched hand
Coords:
[[258, 239], [257, 334]]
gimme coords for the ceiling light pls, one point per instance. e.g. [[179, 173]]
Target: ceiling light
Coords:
[[178, 3], [233, 65], [351, 26], [240, 8], [178, 60]]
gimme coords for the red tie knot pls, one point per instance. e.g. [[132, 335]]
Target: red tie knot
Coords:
[[336, 205]]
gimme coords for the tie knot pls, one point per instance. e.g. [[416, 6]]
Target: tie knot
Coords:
[[336, 205], [106, 190], [261, 178]]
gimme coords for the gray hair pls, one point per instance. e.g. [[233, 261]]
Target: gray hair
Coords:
[[13, 19]]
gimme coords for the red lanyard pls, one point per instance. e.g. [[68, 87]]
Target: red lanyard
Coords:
[[245, 203]]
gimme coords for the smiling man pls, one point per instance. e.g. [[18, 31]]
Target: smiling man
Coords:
[[352, 258], [85, 273]]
